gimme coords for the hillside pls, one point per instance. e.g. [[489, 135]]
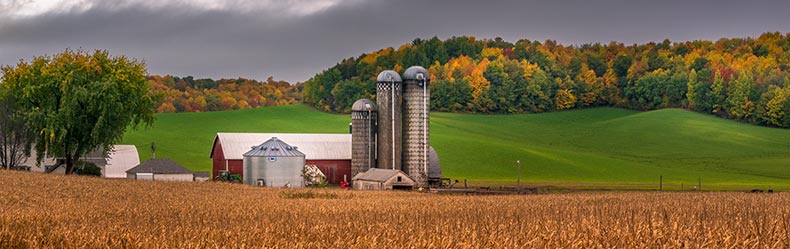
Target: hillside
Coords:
[[744, 79], [602, 146]]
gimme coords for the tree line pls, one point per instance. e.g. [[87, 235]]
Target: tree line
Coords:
[[744, 79], [187, 94]]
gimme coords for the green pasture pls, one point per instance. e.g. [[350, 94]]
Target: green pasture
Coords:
[[605, 148]]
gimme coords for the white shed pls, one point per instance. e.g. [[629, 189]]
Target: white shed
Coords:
[[160, 170], [381, 179]]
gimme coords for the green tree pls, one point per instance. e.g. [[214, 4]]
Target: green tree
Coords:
[[717, 92], [77, 101], [738, 102], [691, 89]]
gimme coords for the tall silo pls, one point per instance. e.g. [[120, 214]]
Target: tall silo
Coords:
[[416, 122], [274, 164], [363, 136], [388, 99]]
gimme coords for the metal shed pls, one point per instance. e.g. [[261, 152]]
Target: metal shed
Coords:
[[380, 179], [274, 163]]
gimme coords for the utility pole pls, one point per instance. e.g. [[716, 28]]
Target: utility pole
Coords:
[[518, 181]]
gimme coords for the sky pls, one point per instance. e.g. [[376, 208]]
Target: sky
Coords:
[[293, 40]]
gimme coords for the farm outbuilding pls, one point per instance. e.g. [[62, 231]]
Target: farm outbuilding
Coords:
[[274, 163], [381, 179], [160, 170], [331, 153], [120, 158]]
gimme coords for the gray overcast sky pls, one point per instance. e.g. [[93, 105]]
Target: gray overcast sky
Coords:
[[293, 40]]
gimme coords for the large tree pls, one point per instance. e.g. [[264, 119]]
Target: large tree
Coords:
[[79, 101]]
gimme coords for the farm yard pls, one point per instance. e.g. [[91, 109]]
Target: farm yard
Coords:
[[51, 211], [597, 148]]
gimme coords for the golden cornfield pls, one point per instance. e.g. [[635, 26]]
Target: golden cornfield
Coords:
[[47, 211]]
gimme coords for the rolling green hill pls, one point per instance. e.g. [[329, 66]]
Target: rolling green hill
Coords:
[[603, 147]]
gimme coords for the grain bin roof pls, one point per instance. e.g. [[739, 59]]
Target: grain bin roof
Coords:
[[314, 146], [359, 105], [159, 166], [377, 175], [388, 76], [274, 147]]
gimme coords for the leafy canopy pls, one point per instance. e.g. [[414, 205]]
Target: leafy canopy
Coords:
[[79, 101]]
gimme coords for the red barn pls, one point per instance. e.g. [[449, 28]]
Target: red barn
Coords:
[[330, 152]]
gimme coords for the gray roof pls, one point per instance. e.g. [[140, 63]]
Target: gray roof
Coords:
[[378, 175], [412, 72], [159, 166], [274, 147], [360, 105], [393, 76], [434, 168]]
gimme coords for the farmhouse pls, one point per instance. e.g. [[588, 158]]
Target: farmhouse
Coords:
[[160, 170], [119, 159], [331, 153], [381, 179]]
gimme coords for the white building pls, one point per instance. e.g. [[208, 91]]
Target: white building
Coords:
[[160, 170]]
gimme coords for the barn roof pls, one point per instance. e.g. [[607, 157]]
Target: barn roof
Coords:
[[159, 166], [314, 146], [378, 175], [274, 147]]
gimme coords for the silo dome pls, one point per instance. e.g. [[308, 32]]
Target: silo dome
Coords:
[[388, 76], [412, 73], [362, 105]]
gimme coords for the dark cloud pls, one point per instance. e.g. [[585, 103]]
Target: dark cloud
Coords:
[[180, 40]]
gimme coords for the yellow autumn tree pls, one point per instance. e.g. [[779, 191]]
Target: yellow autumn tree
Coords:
[[476, 80]]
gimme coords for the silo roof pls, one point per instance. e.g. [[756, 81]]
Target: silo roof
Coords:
[[360, 105], [274, 147], [314, 146], [393, 76], [412, 72]]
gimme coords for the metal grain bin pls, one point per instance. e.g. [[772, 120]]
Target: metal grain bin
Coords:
[[274, 164], [416, 124], [363, 136], [388, 98]]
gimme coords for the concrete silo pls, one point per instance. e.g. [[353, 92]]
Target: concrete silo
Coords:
[[363, 136], [388, 98], [416, 122], [274, 164]]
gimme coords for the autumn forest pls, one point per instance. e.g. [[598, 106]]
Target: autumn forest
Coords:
[[744, 79]]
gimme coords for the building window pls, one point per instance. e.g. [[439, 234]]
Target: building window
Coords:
[[400, 179]]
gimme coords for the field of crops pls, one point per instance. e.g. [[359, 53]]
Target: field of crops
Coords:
[[46, 211]]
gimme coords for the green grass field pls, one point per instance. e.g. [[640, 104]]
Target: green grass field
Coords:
[[593, 148]]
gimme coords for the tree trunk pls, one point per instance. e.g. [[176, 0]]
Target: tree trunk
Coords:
[[69, 165]]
